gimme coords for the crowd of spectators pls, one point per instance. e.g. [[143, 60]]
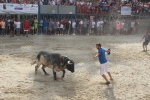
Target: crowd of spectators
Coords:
[[49, 26], [92, 6], [78, 26]]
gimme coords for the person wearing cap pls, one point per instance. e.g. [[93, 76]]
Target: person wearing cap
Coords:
[[145, 43], [103, 62]]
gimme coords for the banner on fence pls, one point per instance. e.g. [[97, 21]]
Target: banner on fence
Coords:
[[67, 10], [7, 8], [125, 10], [44, 9], [92, 17]]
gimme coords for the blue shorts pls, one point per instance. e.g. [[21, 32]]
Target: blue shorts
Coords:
[[17, 29], [73, 29], [45, 28], [41, 27]]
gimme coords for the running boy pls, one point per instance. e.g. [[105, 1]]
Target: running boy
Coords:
[[103, 62], [145, 43]]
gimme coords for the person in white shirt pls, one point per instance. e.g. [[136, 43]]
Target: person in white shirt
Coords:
[[73, 27], [93, 26], [132, 26], [80, 26], [122, 27], [71, 2], [51, 2], [17, 27], [58, 2], [98, 27], [58, 27], [101, 26], [41, 2], [61, 28]]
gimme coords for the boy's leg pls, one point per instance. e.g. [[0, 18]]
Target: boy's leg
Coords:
[[146, 47], [110, 75], [106, 69], [143, 47], [105, 78], [102, 70]]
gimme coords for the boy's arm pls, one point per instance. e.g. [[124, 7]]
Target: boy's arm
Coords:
[[142, 38], [107, 50], [96, 55]]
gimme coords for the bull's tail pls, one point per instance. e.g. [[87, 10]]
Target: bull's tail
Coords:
[[34, 62]]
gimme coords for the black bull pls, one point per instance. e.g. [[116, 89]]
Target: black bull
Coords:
[[54, 61]]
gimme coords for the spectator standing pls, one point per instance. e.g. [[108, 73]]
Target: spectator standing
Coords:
[[26, 27], [118, 28], [132, 26], [101, 26], [40, 2], [137, 26], [6, 26], [80, 26], [125, 27], [85, 25], [11, 27], [32, 26], [105, 28], [2, 24], [74, 27], [17, 26], [98, 27], [68, 27], [122, 27], [55, 27], [64, 28], [58, 27], [35, 25], [51, 24], [93, 24], [45, 25], [61, 28], [41, 25]]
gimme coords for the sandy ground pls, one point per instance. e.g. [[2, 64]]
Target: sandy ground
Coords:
[[129, 66]]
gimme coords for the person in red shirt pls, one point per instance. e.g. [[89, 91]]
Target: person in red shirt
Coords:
[[118, 28], [26, 27]]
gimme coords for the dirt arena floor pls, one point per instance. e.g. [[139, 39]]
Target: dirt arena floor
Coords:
[[129, 66]]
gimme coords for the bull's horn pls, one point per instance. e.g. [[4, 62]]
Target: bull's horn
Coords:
[[69, 62]]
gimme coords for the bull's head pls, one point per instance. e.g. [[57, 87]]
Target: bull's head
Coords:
[[68, 63]]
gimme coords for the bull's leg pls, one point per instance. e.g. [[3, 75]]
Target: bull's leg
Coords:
[[54, 73], [36, 67], [43, 68], [63, 74]]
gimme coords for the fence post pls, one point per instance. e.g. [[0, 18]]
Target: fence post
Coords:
[[58, 11], [38, 16], [75, 12]]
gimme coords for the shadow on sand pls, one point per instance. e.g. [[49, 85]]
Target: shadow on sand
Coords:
[[109, 91], [49, 89]]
